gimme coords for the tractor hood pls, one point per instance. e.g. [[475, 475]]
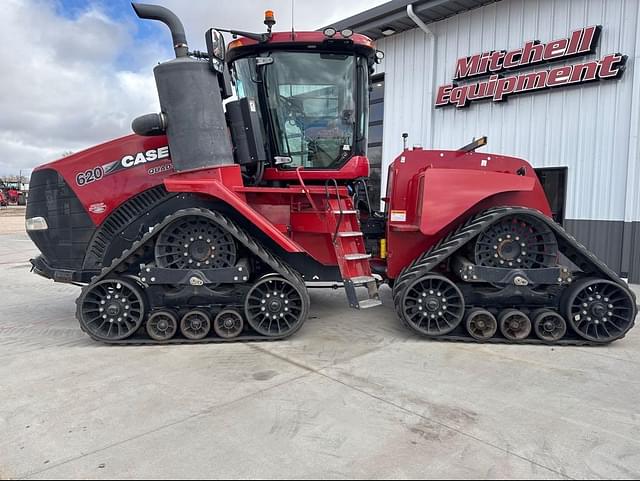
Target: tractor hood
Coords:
[[105, 175]]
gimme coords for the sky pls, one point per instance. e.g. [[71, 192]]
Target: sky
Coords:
[[76, 72]]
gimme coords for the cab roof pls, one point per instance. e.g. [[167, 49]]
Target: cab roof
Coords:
[[301, 41]]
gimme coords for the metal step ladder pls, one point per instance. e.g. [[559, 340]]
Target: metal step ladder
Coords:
[[353, 259]]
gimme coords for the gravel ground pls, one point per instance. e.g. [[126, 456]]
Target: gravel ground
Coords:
[[11, 219]]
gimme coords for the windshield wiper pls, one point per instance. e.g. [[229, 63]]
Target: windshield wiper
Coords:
[[273, 120]]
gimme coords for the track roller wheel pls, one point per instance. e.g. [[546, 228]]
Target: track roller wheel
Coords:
[[228, 324], [195, 325], [481, 324], [599, 310], [111, 309], [515, 325], [275, 307], [548, 325], [517, 241], [162, 325], [432, 305]]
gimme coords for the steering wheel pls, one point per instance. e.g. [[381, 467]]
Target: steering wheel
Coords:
[[292, 105]]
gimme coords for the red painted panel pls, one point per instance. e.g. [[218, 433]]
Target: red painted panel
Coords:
[[113, 187], [432, 192], [300, 37], [449, 193], [219, 183], [357, 166]]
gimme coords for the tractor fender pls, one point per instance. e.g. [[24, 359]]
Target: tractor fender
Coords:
[[219, 183], [447, 194]]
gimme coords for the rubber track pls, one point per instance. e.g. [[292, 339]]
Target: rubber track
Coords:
[[129, 257], [572, 249]]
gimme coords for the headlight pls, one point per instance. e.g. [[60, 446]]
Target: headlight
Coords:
[[36, 223], [329, 32]]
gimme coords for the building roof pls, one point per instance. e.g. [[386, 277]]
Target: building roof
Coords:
[[393, 15]]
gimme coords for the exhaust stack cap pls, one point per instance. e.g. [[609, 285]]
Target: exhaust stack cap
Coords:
[[170, 19]]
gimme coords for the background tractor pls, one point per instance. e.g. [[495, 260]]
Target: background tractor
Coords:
[[12, 193]]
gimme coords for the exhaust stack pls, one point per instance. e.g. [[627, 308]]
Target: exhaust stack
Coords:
[[170, 19]]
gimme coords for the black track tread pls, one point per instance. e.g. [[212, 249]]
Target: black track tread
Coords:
[[577, 253], [129, 257]]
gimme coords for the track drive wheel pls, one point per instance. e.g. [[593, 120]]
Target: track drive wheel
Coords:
[[548, 325], [195, 242], [111, 309], [515, 325], [162, 325], [195, 325], [432, 305], [599, 310], [228, 324], [275, 307], [517, 241], [481, 324]]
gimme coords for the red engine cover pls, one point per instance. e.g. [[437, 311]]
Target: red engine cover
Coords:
[[105, 176]]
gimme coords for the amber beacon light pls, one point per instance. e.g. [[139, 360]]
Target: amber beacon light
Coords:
[[269, 19]]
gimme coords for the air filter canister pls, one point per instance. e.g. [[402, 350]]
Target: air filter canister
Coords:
[[196, 128]]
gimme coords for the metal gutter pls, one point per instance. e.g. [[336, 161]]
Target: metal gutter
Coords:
[[432, 73]]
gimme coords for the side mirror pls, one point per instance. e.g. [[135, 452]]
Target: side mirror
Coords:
[[216, 49]]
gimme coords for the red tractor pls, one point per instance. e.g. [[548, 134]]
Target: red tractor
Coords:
[[209, 223], [10, 193]]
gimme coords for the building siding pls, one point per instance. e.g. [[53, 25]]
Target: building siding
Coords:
[[591, 129]]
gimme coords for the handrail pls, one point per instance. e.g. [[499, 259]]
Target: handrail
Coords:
[[305, 190], [326, 188], [366, 192]]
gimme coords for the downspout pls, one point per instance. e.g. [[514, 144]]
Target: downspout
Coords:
[[432, 74], [630, 249]]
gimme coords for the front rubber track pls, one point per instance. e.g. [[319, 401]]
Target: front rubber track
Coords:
[[129, 258]]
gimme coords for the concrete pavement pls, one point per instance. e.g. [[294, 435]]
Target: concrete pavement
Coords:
[[351, 395]]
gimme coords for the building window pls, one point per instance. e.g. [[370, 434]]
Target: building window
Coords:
[[374, 145], [554, 183]]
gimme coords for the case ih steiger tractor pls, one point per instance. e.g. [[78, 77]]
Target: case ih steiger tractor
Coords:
[[209, 223]]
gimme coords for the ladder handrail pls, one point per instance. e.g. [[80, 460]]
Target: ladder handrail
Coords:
[[326, 188], [305, 190], [366, 192]]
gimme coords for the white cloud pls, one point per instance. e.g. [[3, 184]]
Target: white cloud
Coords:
[[63, 87], [60, 90]]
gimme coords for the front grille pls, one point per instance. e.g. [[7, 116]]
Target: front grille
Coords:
[[65, 242]]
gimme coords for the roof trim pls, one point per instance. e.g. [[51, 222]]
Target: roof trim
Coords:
[[393, 14]]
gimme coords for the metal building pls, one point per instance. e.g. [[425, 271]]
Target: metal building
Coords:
[[581, 130]]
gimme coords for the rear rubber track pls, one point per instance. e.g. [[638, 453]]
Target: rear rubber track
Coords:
[[573, 250]]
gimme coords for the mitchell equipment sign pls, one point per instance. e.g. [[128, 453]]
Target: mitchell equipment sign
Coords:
[[500, 85]]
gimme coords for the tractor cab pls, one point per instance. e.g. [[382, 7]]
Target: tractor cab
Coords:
[[302, 104]]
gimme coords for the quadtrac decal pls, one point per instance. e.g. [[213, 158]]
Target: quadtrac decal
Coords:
[[127, 162]]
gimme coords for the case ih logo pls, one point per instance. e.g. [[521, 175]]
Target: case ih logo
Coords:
[[500, 85]]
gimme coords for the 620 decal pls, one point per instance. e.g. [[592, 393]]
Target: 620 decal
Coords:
[[89, 176]]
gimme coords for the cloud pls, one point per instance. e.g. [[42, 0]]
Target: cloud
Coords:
[[73, 82], [60, 90]]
